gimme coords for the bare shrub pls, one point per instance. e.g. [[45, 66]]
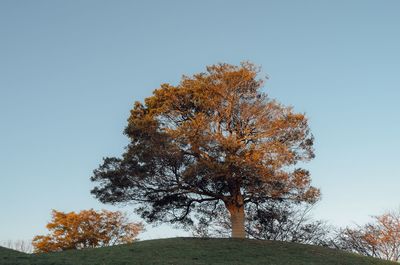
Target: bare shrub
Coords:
[[19, 245]]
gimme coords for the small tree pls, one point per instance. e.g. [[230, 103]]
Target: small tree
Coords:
[[287, 222], [282, 221], [86, 229], [215, 139], [379, 238]]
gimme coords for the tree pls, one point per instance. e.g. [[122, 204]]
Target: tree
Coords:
[[379, 238], [86, 229], [215, 139]]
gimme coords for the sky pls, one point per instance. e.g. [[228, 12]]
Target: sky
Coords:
[[70, 72]]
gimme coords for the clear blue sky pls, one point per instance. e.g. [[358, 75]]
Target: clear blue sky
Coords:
[[71, 70]]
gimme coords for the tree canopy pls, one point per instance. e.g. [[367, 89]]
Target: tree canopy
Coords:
[[86, 229], [214, 139]]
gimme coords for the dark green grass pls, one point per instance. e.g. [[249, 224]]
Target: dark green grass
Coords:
[[9, 256], [195, 251]]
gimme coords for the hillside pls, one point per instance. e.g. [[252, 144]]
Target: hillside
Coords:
[[192, 251], [9, 256]]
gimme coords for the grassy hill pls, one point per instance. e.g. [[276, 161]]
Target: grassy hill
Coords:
[[194, 251], [9, 256]]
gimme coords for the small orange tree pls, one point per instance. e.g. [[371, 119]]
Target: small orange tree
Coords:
[[380, 238], [86, 229]]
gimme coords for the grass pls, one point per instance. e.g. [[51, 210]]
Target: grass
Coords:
[[9, 256], [194, 251]]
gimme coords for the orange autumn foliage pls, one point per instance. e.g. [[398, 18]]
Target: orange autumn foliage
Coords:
[[86, 229], [380, 238], [215, 140]]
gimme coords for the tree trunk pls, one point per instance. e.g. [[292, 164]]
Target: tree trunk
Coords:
[[236, 210]]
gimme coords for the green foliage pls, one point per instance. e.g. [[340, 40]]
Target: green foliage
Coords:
[[190, 251]]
